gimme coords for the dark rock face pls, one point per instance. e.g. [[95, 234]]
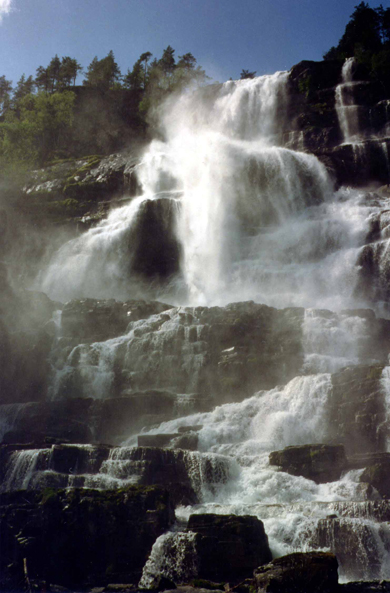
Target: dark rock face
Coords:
[[38, 422], [378, 475], [314, 572], [228, 547], [314, 126], [320, 463], [355, 165], [91, 319], [356, 409], [84, 420], [80, 190], [366, 587], [165, 467], [82, 536], [156, 251]]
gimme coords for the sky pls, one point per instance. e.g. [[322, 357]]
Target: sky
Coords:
[[225, 36]]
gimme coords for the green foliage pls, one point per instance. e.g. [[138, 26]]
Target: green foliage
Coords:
[[59, 74], [34, 131], [37, 118], [5, 93], [104, 73]]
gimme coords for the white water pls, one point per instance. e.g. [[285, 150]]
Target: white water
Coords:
[[255, 221], [292, 508], [347, 111], [332, 341]]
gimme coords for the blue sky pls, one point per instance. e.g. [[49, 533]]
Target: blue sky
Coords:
[[224, 35]]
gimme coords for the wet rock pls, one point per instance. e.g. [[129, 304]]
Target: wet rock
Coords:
[[228, 352], [365, 587], [84, 420], [169, 468], [197, 589], [320, 463], [356, 409], [341, 536], [73, 459], [228, 547], [194, 428], [66, 421], [25, 342], [363, 460], [313, 572], [187, 441], [89, 319], [357, 165], [80, 190], [81, 537], [155, 440], [378, 476]]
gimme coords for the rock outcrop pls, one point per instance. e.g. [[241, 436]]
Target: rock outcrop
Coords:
[[80, 537], [314, 572], [357, 409], [228, 547], [320, 463], [228, 352]]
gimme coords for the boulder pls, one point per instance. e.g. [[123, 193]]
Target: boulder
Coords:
[[378, 476], [228, 547], [320, 463], [313, 572], [151, 465], [80, 537]]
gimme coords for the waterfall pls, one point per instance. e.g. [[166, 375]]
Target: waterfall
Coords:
[[347, 111], [230, 191], [231, 214], [227, 214]]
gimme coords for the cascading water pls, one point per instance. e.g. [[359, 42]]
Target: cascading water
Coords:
[[347, 111], [234, 216], [244, 217]]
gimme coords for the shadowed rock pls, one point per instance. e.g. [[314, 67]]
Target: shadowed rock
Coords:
[[320, 463], [314, 572], [79, 537], [228, 547]]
